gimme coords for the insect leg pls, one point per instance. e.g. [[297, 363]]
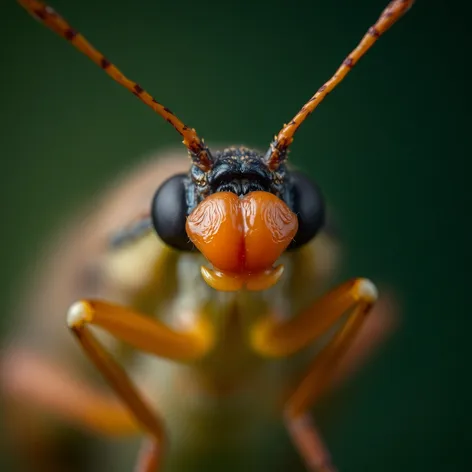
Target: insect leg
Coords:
[[286, 338], [144, 334], [41, 384], [148, 459], [272, 338]]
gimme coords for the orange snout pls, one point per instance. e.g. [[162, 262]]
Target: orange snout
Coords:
[[242, 238]]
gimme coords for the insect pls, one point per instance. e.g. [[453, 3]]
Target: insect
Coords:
[[208, 278]]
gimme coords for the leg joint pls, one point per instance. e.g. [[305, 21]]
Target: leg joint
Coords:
[[79, 314], [366, 290]]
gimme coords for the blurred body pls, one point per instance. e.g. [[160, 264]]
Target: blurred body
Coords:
[[225, 411]]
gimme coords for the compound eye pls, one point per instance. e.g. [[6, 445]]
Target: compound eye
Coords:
[[309, 206], [169, 213]]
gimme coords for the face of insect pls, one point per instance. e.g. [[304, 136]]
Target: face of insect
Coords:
[[239, 208], [241, 215]]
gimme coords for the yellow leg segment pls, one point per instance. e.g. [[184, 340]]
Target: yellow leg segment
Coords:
[[326, 362], [272, 338], [144, 334]]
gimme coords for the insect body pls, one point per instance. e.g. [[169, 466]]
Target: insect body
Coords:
[[215, 290]]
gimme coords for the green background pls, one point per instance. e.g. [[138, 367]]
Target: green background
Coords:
[[387, 147]]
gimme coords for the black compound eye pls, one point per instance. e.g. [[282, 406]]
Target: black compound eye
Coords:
[[309, 206], [169, 213]]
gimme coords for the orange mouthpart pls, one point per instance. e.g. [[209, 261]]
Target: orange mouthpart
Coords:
[[242, 238]]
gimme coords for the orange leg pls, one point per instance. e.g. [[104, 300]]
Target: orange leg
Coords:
[[34, 386], [147, 335], [279, 339], [40, 384]]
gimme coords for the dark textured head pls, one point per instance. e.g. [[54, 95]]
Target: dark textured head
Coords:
[[239, 170], [240, 214]]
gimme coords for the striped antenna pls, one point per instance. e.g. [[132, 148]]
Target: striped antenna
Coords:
[[277, 152], [198, 152]]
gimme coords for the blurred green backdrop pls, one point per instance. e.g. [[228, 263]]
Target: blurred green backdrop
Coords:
[[388, 149]]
